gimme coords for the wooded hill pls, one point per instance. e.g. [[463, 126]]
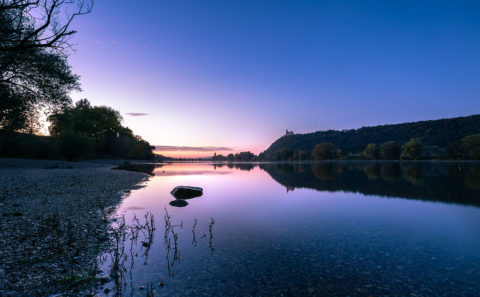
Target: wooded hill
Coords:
[[436, 134]]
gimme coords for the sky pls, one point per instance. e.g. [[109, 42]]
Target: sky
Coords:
[[227, 76]]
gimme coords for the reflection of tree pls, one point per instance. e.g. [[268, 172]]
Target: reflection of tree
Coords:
[[371, 171], [454, 183], [391, 172], [413, 173], [323, 171], [300, 167], [219, 165], [472, 180], [454, 172], [244, 166], [284, 167]]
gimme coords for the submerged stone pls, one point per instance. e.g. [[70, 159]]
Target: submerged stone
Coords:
[[178, 203], [184, 192]]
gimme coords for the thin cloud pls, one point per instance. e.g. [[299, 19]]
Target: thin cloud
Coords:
[[191, 148], [136, 114]]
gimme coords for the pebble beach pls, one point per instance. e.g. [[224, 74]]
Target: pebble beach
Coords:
[[54, 219]]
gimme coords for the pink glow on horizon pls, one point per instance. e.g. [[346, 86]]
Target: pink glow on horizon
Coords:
[[202, 154]]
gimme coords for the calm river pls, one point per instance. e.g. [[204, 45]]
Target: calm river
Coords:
[[306, 229]]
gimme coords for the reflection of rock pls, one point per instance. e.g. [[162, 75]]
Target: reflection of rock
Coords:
[[184, 192], [178, 203]]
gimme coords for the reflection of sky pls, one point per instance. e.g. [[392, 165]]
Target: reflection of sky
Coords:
[[262, 234], [186, 152], [238, 195], [238, 73]]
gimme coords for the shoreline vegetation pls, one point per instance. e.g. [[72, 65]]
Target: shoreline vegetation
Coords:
[[444, 139], [453, 138]]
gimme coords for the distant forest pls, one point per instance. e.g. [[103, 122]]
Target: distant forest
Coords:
[[454, 138]]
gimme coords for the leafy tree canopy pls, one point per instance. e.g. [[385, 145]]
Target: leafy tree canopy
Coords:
[[413, 149], [372, 151], [102, 127], [390, 150], [324, 151], [34, 73], [472, 145]]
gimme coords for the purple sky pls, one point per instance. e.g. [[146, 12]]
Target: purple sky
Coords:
[[236, 74]]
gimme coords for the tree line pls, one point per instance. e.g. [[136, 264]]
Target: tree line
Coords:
[[468, 148], [238, 157], [36, 80], [439, 139]]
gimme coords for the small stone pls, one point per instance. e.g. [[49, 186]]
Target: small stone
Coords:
[[185, 192], [141, 288]]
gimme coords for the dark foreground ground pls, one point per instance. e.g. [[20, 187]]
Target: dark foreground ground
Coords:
[[54, 219]]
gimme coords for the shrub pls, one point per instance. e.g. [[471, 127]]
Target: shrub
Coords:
[[324, 151], [73, 146], [390, 150], [412, 149]]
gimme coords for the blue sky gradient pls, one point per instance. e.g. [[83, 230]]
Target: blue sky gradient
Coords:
[[238, 73]]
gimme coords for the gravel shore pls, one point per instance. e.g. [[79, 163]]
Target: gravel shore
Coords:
[[54, 223]]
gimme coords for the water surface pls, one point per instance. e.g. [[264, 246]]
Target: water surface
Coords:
[[306, 229]]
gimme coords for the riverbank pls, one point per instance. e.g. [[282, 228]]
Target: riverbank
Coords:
[[54, 221]]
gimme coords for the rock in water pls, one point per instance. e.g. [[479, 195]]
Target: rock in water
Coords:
[[178, 203], [184, 192]]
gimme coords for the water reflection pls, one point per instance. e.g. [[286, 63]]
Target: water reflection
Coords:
[[446, 182], [435, 181], [337, 236], [131, 239]]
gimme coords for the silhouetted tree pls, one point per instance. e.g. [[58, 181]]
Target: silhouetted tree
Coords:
[[284, 154], [413, 149], [472, 145], [372, 151], [324, 151], [102, 127], [300, 155], [74, 146], [390, 150], [34, 73], [453, 150], [244, 156]]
